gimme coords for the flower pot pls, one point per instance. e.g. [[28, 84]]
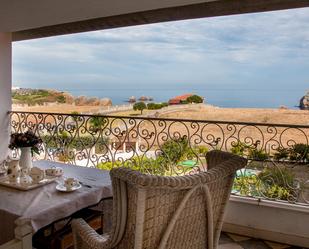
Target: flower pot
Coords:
[[25, 161]]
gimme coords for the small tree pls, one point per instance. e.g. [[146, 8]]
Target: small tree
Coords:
[[98, 122], [195, 99], [60, 99], [139, 106]]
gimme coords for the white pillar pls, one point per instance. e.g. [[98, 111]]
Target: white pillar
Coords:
[[5, 91]]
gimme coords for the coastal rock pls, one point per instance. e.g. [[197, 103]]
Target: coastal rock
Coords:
[[93, 102], [304, 102], [84, 101], [106, 102], [132, 99], [143, 98], [69, 99], [283, 107], [81, 100]]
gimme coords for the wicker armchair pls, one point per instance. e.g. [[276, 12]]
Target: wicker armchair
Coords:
[[155, 212]]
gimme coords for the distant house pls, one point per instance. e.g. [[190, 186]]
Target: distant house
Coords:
[[179, 99]]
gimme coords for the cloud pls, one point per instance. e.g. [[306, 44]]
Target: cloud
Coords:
[[225, 50]]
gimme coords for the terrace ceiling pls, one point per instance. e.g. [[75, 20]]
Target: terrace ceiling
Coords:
[[36, 18]]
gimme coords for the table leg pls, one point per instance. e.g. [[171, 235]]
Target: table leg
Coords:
[[23, 233], [23, 243]]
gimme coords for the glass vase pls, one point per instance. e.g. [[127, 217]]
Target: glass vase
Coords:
[[25, 161]]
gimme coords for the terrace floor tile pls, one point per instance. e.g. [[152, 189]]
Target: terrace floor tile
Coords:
[[233, 241]]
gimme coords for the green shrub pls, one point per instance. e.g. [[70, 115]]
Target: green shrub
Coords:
[[281, 153], [142, 164], [110, 165], [65, 140], [274, 183], [299, 152], [97, 123], [277, 192], [240, 149], [195, 99], [282, 176], [175, 150], [155, 106], [278, 183], [60, 99], [246, 185], [172, 152], [201, 150], [258, 154]]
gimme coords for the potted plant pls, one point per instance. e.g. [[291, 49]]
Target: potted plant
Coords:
[[28, 143]]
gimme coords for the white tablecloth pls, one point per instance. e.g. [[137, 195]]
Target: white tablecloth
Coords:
[[44, 205]]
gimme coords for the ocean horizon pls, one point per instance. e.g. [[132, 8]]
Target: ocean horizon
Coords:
[[233, 98]]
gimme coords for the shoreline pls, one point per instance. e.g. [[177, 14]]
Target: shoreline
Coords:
[[243, 98]]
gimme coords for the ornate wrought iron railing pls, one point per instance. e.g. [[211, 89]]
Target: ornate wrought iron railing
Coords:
[[278, 153]]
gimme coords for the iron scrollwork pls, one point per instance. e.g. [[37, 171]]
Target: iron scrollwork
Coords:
[[278, 153]]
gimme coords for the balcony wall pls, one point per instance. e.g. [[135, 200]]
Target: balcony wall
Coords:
[[270, 220]]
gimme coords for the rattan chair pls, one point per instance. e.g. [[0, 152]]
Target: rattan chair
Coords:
[[156, 212]]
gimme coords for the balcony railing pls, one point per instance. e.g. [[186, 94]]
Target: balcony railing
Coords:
[[278, 154]]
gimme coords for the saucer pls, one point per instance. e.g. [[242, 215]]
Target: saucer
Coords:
[[60, 187]]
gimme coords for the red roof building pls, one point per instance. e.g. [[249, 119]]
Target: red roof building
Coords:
[[179, 99]]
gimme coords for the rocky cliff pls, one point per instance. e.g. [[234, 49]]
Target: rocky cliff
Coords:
[[43, 96], [304, 102]]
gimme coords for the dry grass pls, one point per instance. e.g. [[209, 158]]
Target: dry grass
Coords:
[[278, 116], [67, 108], [205, 133], [131, 113], [60, 108], [256, 115]]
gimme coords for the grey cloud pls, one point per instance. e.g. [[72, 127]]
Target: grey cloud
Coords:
[[215, 48]]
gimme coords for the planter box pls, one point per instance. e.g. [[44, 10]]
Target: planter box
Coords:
[[270, 220]]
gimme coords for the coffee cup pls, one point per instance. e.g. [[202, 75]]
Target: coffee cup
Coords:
[[54, 171], [70, 183], [37, 174]]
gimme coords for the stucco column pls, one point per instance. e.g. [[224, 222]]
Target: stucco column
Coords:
[[5, 91]]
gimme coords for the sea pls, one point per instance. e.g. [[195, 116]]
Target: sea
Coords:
[[225, 97]]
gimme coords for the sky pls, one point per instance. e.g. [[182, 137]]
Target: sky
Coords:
[[252, 51]]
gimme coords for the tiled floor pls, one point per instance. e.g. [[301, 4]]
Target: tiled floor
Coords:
[[232, 241]]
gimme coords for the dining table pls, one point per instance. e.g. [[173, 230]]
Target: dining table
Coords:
[[23, 213]]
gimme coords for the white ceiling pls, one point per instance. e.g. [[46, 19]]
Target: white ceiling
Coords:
[[30, 19], [16, 15]]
